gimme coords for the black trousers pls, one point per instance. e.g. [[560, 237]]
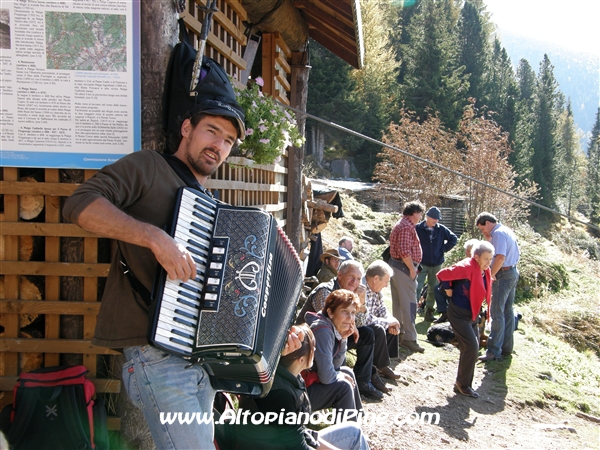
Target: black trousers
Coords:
[[364, 353], [386, 346], [467, 335]]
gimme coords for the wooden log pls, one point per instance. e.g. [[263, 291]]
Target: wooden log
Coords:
[[327, 196], [27, 291], [30, 361], [308, 192], [323, 205], [26, 247], [305, 216], [317, 228], [319, 222], [30, 206]]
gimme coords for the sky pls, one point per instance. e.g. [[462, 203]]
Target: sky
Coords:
[[573, 24]]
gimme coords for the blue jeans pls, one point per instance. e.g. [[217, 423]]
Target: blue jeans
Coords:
[[430, 272], [503, 318], [158, 382], [347, 435]]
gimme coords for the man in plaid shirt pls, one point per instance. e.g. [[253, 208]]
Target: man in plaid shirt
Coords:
[[406, 254], [378, 318]]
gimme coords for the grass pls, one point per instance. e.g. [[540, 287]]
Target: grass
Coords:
[[548, 371]]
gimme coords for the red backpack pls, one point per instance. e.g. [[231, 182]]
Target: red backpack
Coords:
[[53, 408]]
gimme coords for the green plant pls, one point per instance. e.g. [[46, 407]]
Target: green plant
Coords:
[[270, 129]]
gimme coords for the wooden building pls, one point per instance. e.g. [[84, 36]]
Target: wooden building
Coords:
[[53, 273]]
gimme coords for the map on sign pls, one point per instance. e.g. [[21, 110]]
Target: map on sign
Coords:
[[86, 41]]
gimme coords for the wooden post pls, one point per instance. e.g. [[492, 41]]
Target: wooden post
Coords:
[[298, 96], [160, 33]]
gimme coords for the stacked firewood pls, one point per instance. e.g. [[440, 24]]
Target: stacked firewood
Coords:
[[30, 325], [316, 212]]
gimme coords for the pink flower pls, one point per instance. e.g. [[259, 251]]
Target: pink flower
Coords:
[[249, 131], [262, 128], [260, 81], [264, 141]]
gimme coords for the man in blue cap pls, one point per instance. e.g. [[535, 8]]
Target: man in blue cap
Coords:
[[436, 239]]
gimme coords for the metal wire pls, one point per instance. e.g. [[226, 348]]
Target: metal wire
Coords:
[[439, 166]]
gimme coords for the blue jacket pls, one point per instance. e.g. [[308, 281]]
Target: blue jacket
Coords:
[[443, 240]]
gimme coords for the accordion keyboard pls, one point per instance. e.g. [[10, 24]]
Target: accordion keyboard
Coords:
[[181, 302]]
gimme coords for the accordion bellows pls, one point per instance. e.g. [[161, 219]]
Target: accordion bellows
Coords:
[[234, 316]]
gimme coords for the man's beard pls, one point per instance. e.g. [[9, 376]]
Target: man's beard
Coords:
[[202, 168]]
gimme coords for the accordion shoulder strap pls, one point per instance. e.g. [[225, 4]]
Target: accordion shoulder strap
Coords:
[[136, 284]]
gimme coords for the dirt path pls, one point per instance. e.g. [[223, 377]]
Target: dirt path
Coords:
[[491, 421]]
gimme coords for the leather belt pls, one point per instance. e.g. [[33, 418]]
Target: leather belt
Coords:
[[508, 267]]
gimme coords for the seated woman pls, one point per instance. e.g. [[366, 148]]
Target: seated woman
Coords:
[[334, 385], [288, 395], [468, 283]]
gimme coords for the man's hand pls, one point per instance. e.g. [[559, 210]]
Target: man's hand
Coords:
[[347, 377], [448, 292], [413, 272], [294, 340], [104, 219], [361, 291], [174, 258], [394, 326]]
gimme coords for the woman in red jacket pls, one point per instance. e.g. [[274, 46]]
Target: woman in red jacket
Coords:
[[468, 283]]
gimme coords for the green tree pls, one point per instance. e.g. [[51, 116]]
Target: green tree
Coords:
[[502, 90], [544, 135], [376, 87], [520, 158], [570, 162], [434, 79], [399, 17], [526, 80], [330, 96], [474, 51], [593, 172]]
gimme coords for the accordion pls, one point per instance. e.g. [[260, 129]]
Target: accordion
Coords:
[[234, 316]]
